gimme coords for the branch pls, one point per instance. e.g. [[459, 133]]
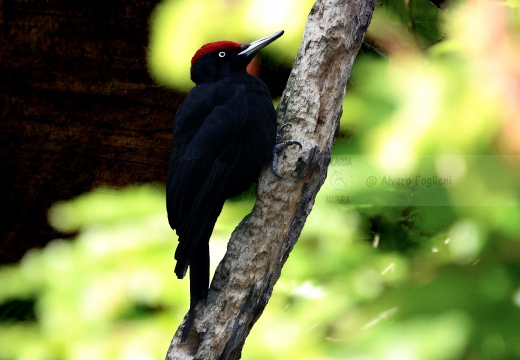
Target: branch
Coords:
[[260, 245]]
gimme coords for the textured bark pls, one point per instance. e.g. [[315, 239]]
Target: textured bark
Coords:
[[260, 245]]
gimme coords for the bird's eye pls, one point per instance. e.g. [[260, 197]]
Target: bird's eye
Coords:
[[221, 54]]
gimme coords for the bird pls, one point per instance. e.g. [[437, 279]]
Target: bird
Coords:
[[224, 133]]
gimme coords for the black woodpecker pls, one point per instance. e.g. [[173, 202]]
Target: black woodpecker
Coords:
[[224, 133]]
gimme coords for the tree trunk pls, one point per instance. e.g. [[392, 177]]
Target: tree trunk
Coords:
[[260, 245]]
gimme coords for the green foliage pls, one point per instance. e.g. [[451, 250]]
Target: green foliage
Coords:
[[106, 295], [417, 17], [393, 263]]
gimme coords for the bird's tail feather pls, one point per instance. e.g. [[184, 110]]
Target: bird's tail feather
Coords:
[[199, 282], [188, 324]]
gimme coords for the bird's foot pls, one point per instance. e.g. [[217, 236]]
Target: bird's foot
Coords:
[[280, 146]]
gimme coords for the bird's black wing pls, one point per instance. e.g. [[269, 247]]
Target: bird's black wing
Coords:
[[206, 145]]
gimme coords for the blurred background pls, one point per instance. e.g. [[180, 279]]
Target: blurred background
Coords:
[[412, 250]]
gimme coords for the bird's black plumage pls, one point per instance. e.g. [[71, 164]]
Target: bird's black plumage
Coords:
[[224, 133]]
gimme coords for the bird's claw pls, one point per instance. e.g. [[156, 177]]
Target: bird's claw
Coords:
[[281, 145], [280, 131]]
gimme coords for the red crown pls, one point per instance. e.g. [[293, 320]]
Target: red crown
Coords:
[[212, 47]]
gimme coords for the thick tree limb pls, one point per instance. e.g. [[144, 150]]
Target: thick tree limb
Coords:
[[260, 245]]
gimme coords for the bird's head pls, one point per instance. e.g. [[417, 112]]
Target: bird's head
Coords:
[[218, 59]]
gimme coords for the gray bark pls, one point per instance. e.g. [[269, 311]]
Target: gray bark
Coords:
[[260, 245]]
